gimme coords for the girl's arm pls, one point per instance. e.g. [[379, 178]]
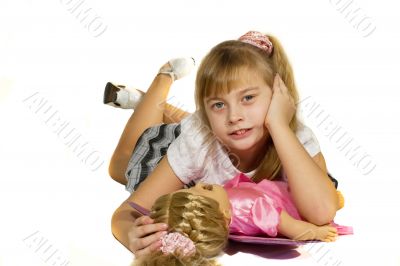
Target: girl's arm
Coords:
[[132, 230], [313, 192]]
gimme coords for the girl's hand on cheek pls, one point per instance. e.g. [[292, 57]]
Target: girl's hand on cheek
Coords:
[[282, 106]]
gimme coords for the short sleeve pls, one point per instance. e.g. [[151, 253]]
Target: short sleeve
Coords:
[[266, 215], [308, 139], [186, 154]]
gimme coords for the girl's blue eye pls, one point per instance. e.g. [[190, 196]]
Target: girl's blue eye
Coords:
[[218, 105], [248, 97]]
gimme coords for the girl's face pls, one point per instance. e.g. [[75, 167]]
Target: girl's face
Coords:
[[238, 118]]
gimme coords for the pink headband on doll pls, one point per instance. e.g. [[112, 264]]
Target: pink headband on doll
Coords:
[[172, 242], [259, 40]]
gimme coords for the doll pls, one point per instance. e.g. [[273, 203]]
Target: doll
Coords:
[[198, 230], [200, 219]]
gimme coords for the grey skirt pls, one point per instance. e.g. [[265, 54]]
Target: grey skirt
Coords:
[[148, 152]]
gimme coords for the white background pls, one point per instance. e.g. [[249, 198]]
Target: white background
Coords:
[[48, 194]]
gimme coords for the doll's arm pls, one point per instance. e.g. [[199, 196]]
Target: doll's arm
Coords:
[[301, 230]]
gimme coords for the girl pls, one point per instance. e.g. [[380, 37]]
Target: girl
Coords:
[[198, 219], [245, 121]]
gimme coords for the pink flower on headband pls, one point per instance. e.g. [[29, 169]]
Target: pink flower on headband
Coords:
[[258, 39], [172, 242]]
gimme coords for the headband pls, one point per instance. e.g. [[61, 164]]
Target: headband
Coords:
[[259, 40], [172, 242]]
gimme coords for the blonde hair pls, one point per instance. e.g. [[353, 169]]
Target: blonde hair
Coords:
[[221, 69], [196, 217]]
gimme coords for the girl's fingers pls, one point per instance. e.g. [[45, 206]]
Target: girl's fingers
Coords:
[[276, 85], [149, 249], [285, 90], [147, 244], [280, 83], [144, 233], [142, 230], [143, 220], [283, 86]]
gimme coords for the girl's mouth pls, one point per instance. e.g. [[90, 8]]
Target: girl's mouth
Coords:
[[241, 133]]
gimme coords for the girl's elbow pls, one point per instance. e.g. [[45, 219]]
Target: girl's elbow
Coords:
[[323, 216], [121, 222], [117, 220], [114, 227], [325, 211]]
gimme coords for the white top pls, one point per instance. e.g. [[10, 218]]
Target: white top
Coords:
[[188, 156]]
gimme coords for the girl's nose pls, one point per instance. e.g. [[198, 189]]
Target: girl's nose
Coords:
[[234, 116]]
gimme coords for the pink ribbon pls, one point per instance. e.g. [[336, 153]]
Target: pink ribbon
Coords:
[[259, 40], [172, 242]]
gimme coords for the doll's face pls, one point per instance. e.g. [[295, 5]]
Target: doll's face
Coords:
[[215, 192]]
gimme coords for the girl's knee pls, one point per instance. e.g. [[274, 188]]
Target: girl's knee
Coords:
[[117, 175]]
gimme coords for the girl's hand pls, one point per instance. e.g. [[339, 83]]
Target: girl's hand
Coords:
[[282, 106], [144, 236]]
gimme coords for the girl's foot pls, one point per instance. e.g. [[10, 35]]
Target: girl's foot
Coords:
[[128, 98], [178, 67], [121, 96]]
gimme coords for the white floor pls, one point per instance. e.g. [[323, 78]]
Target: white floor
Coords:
[[56, 202]]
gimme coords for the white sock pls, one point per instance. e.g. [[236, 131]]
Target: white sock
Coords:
[[129, 98]]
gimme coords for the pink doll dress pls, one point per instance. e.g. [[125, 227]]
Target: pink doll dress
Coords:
[[256, 207]]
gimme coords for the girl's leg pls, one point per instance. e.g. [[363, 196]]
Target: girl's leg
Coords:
[[301, 230], [149, 112], [173, 114]]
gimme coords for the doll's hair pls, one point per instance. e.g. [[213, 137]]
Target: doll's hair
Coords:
[[221, 69], [197, 217]]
